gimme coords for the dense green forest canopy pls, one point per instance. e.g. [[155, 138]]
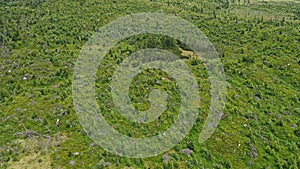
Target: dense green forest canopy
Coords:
[[257, 41]]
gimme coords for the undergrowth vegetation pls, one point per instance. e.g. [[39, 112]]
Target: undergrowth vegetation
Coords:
[[259, 45]]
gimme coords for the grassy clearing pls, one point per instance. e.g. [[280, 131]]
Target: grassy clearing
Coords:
[[32, 161], [36, 152]]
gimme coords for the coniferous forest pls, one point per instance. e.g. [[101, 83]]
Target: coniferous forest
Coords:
[[258, 42]]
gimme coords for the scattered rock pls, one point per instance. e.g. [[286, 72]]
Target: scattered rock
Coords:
[[222, 115], [166, 158], [57, 122], [40, 119], [32, 103], [194, 86], [72, 162], [107, 164], [187, 151], [25, 77], [31, 96], [56, 86]]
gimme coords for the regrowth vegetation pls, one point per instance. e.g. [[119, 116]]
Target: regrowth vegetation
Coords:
[[258, 42]]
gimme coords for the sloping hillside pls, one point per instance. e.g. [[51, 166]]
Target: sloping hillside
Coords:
[[257, 41]]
